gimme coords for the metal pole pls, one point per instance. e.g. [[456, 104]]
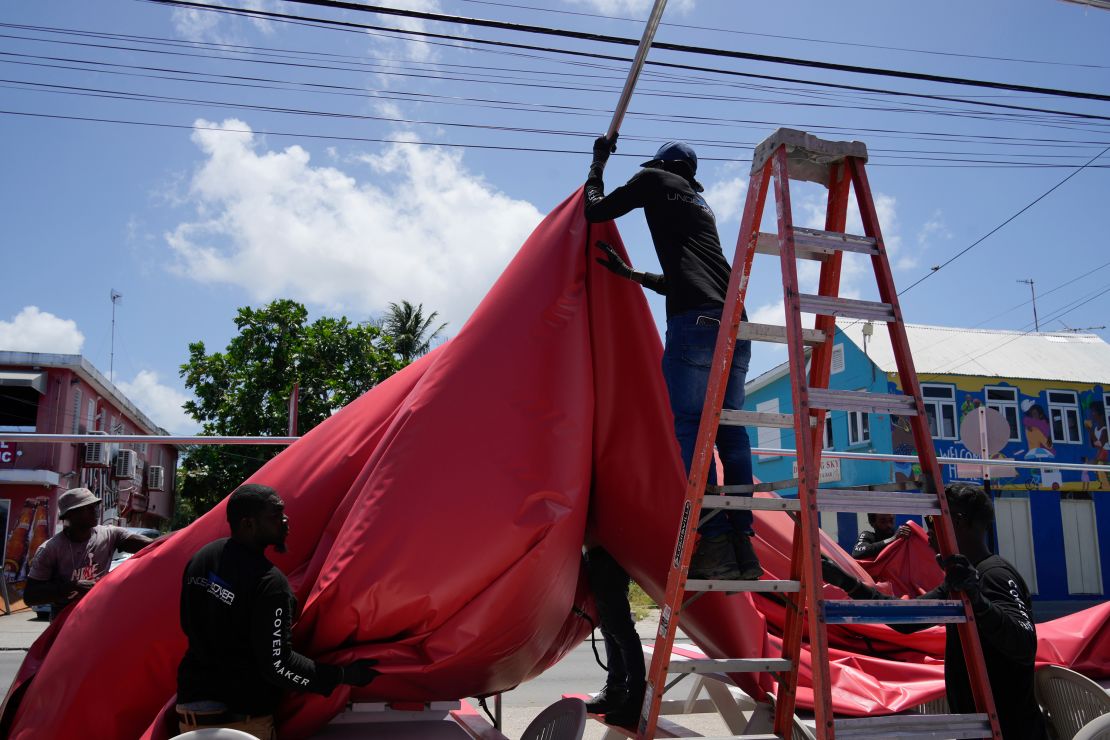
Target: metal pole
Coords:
[[115, 296], [637, 65], [1036, 322]]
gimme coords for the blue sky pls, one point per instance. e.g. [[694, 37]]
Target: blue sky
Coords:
[[203, 214]]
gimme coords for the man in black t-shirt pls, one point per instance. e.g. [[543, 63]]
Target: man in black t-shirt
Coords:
[[1000, 601], [872, 542], [694, 280], [237, 611]]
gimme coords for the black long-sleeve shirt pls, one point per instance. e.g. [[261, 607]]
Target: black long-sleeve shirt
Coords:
[[237, 611], [869, 545], [695, 271], [1009, 640]]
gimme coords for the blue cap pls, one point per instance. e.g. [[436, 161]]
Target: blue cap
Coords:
[[675, 151]]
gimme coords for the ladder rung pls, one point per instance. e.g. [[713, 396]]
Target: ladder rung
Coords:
[[905, 485], [775, 333], [849, 308], [893, 611], [763, 587], [877, 502], [871, 403], [773, 485], [834, 240], [732, 417], [730, 665], [917, 726], [751, 503]]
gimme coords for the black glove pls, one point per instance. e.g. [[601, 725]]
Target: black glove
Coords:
[[961, 575], [360, 672], [613, 261], [835, 576], [603, 147]]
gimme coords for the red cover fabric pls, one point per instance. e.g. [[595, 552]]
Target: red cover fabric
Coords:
[[908, 564], [436, 524]]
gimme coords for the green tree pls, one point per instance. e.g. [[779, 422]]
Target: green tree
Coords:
[[244, 390], [411, 331]]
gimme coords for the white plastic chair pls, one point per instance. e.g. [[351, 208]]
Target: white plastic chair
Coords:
[[1096, 729], [216, 733], [1071, 700], [563, 720]]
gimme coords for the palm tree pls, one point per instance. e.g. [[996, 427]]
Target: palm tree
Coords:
[[411, 331]]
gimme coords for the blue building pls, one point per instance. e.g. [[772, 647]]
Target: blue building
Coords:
[[1052, 389]]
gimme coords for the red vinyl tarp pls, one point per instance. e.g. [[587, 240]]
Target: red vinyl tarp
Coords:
[[437, 524]]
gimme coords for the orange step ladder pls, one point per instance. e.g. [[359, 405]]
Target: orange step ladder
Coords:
[[788, 154]]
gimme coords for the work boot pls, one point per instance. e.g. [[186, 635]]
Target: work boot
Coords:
[[715, 560], [746, 560], [610, 697], [627, 715]]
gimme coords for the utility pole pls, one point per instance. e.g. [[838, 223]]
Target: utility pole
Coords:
[[1029, 282], [116, 298]]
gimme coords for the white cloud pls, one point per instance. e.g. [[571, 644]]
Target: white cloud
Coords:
[[32, 330], [726, 198], [403, 47], [423, 228], [160, 402], [635, 8], [195, 24]]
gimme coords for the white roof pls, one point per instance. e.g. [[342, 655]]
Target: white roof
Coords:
[[993, 353]]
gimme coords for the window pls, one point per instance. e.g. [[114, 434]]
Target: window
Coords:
[[19, 408], [1081, 551], [1063, 416], [827, 435], [859, 427], [76, 425], [89, 428], [837, 359], [940, 407], [769, 437], [1005, 402]]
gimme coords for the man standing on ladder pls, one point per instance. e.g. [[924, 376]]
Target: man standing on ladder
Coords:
[[694, 280]]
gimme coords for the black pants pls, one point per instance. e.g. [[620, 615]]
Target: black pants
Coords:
[[623, 652]]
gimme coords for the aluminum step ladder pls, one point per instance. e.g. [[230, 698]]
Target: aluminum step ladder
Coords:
[[788, 154]]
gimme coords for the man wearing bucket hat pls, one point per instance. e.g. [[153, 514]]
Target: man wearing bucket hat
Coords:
[[694, 280], [68, 564]]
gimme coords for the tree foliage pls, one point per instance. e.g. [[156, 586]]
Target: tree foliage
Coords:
[[245, 389], [411, 331]]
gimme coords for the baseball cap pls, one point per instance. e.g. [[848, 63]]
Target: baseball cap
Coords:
[[676, 151], [76, 498]]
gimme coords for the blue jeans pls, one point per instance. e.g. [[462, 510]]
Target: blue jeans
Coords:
[[686, 362]]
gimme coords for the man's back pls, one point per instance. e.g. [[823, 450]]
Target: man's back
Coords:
[[221, 589]]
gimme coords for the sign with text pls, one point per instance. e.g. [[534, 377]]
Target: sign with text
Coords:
[[830, 470], [9, 451]]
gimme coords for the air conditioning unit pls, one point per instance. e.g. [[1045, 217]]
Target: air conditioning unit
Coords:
[[156, 478], [96, 455], [125, 464]]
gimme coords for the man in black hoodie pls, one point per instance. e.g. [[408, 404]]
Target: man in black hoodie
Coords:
[[1000, 600], [237, 611], [694, 280]]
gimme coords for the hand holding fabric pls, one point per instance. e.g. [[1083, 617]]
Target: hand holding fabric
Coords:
[[961, 575], [612, 261], [360, 672], [835, 576]]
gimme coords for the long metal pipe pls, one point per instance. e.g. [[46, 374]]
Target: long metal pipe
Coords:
[[23, 437], [637, 66]]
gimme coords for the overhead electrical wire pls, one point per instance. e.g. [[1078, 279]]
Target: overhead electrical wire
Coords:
[[657, 63]]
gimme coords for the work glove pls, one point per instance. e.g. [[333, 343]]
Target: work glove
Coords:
[[360, 672], [835, 576], [603, 147], [613, 261], [961, 575]]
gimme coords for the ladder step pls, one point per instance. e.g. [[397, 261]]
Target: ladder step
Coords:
[[849, 308], [871, 403], [751, 503], [919, 727], [775, 333], [732, 417], [893, 611], [877, 502], [905, 485], [729, 665], [815, 244], [763, 587], [773, 485]]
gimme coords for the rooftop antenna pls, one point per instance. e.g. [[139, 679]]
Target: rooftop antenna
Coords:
[[1029, 282], [1081, 329], [116, 298]]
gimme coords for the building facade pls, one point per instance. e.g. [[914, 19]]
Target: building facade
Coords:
[[65, 394], [1053, 390]]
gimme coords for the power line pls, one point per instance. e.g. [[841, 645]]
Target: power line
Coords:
[[983, 238], [347, 25]]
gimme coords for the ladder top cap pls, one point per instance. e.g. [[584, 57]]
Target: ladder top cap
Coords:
[[808, 157]]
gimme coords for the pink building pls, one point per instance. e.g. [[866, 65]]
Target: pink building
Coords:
[[65, 394]]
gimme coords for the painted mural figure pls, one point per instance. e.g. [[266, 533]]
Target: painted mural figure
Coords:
[[1100, 439]]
